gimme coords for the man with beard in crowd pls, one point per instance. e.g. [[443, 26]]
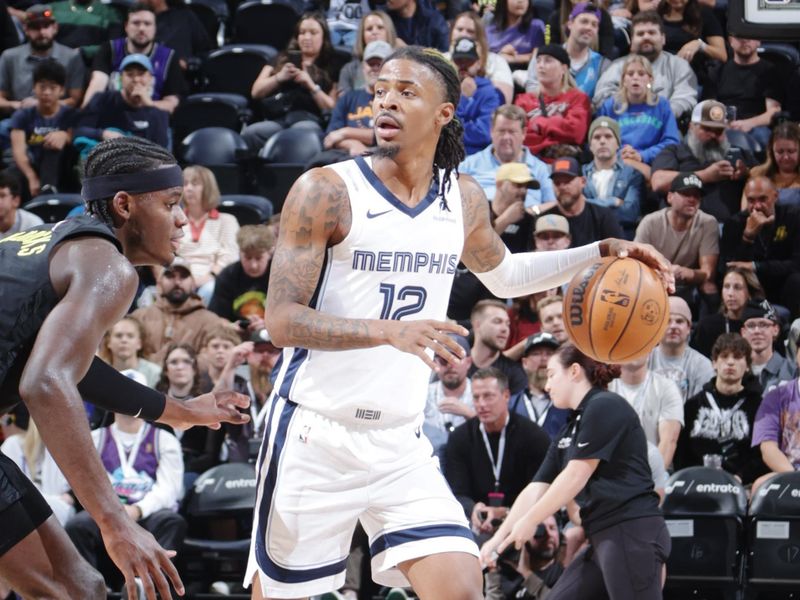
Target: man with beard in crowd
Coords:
[[177, 316], [490, 327], [707, 153]]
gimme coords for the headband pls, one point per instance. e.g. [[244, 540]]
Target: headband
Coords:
[[106, 186]]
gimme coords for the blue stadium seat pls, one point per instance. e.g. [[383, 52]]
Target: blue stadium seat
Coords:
[[269, 22], [212, 109], [293, 145], [52, 208], [248, 209], [234, 68], [222, 151]]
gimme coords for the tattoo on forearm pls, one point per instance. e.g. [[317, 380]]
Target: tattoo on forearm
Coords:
[[484, 249]]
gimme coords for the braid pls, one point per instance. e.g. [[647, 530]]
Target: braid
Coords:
[[118, 156], [450, 147]]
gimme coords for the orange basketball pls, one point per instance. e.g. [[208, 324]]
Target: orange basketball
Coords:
[[616, 310]]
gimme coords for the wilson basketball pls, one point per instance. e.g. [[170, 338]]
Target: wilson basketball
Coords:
[[616, 310]]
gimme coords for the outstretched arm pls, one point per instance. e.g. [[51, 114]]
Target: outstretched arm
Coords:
[[317, 215]]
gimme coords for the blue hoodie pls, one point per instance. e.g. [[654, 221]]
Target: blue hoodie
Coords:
[[649, 129], [475, 114]]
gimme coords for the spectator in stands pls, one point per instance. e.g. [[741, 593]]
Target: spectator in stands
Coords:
[[673, 358], [375, 26], [180, 29], [585, 65], [776, 431], [470, 25], [551, 316], [622, 12], [241, 287], [419, 23], [534, 402], [140, 33], [130, 111], [209, 237], [686, 235], [720, 418], [449, 402], [761, 327], [738, 287], [490, 327], [509, 217], [692, 32], [122, 348], [85, 24], [13, 219], [706, 153], [782, 166], [344, 17], [295, 95], [765, 238], [535, 573], [177, 316], [17, 63], [587, 222], [492, 457], [612, 180], [217, 349], [750, 84], [673, 77], [41, 135], [558, 116], [181, 379], [508, 133], [646, 122], [144, 466], [514, 33], [479, 98], [557, 28], [551, 233], [657, 401]]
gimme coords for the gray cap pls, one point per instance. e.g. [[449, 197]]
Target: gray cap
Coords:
[[377, 49]]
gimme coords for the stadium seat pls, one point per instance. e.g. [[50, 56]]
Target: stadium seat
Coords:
[[248, 209], [773, 561], [704, 510], [269, 22], [211, 109], [213, 14], [293, 145], [53, 207], [234, 68], [222, 151]]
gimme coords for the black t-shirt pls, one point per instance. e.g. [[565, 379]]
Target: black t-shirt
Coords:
[[173, 83], [677, 36], [517, 379], [518, 237], [236, 294], [607, 428], [747, 86], [595, 223]]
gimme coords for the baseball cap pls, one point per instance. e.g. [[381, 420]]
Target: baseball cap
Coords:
[[605, 122], [377, 49], [39, 13], [178, 263], [760, 309], [710, 113], [465, 48], [584, 7], [566, 166], [516, 173], [556, 51], [551, 223], [540, 339], [136, 59], [685, 181], [678, 306]]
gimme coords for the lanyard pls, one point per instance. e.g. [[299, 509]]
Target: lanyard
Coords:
[[533, 415], [126, 460], [501, 450]]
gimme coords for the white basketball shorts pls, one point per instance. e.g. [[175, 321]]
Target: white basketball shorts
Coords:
[[318, 477]]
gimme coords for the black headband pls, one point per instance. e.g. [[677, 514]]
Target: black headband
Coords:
[[106, 186]]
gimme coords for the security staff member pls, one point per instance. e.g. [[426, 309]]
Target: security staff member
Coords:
[[599, 459]]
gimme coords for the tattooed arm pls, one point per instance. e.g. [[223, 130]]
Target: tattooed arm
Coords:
[[317, 215]]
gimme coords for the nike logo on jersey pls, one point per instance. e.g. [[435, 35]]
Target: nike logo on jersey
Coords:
[[372, 215], [582, 445]]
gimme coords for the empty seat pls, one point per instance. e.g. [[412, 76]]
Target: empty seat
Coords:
[[210, 110], [269, 22], [53, 207], [248, 209], [292, 145], [234, 68], [212, 14], [222, 151]]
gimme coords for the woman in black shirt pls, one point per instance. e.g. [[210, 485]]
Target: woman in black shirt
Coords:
[[599, 459]]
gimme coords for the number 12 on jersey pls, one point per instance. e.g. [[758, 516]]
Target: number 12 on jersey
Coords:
[[414, 294]]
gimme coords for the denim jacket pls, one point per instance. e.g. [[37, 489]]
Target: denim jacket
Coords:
[[627, 183]]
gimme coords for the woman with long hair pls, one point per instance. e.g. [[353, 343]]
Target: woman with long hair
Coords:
[[374, 26], [692, 32], [646, 121], [122, 349], [782, 166], [301, 85], [514, 33], [598, 460], [470, 25]]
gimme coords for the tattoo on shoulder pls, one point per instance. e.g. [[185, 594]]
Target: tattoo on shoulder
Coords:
[[484, 249]]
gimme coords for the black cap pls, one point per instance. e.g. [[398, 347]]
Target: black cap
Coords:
[[685, 181], [39, 13], [556, 51], [540, 339], [465, 48], [566, 165], [760, 309]]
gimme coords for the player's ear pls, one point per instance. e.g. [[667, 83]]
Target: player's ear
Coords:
[[121, 207], [445, 113]]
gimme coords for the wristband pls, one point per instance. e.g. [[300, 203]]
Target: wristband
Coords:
[[702, 47], [107, 388]]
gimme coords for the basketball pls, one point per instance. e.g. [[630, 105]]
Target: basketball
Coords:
[[616, 310]]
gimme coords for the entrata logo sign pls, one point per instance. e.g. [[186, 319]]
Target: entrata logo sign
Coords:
[[718, 488]]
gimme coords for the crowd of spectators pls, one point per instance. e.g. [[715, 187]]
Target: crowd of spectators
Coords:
[[645, 120]]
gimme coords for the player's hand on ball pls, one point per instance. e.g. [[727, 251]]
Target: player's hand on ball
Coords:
[[415, 337], [643, 252]]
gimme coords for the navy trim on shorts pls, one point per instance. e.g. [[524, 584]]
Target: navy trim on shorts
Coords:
[[381, 188], [413, 534], [265, 563]]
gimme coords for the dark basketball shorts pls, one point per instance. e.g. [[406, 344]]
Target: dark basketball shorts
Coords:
[[22, 507]]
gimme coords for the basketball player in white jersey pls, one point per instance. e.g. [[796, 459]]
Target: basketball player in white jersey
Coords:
[[357, 298]]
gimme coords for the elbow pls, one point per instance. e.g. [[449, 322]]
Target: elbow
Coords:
[[275, 324], [36, 387]]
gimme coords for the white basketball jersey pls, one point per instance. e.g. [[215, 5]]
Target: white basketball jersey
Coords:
[[395, 263]]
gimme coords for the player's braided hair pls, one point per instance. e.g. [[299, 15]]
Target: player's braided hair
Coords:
[[122, 156], [450, 147]]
